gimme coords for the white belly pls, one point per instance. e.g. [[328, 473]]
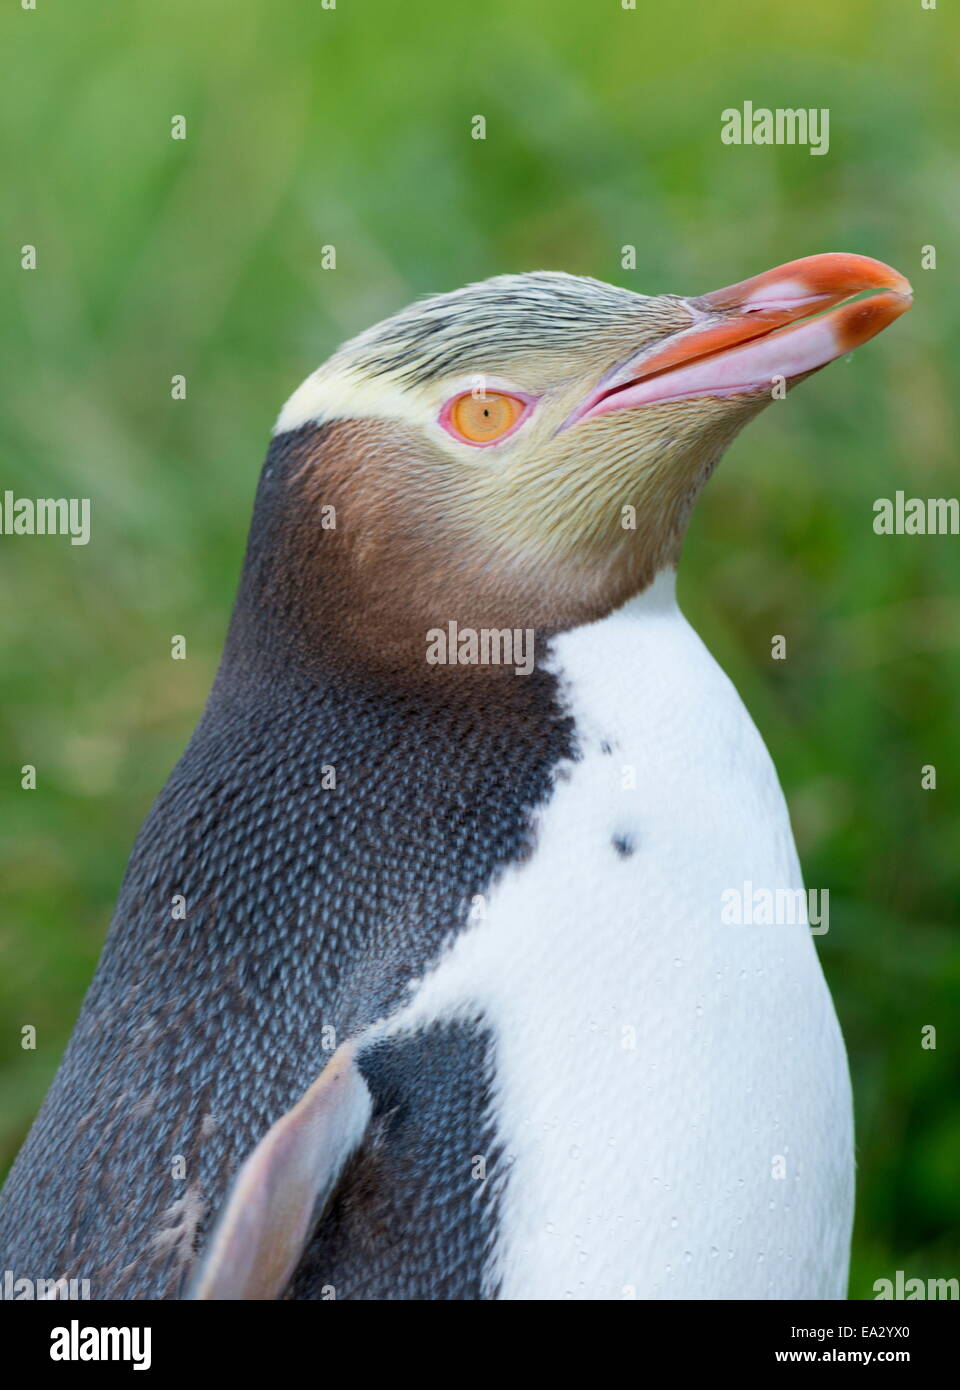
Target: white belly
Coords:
[[672, 1091]]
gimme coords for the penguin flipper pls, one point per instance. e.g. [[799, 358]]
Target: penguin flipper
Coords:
[[283, 1184]]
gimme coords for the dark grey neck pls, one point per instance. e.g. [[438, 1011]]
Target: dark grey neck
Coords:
[[322, 835]]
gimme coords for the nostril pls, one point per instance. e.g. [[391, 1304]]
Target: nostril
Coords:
[[782, 303]]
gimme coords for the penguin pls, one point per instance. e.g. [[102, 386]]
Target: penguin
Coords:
[[420, 984]]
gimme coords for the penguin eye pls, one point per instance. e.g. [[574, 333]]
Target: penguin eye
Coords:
[[483, 419]]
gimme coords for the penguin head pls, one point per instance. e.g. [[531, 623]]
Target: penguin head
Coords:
[[528, 449]]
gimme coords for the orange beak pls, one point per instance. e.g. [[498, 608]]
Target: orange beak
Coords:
[[769, 329]]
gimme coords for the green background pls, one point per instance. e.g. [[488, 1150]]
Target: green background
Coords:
[[351, 127]]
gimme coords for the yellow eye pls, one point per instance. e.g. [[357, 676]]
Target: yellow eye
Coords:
[[482, 419]]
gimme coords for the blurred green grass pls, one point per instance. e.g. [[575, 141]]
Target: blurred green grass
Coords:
[[309, 127]]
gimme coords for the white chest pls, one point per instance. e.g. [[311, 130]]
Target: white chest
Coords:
[[671, 1089]]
